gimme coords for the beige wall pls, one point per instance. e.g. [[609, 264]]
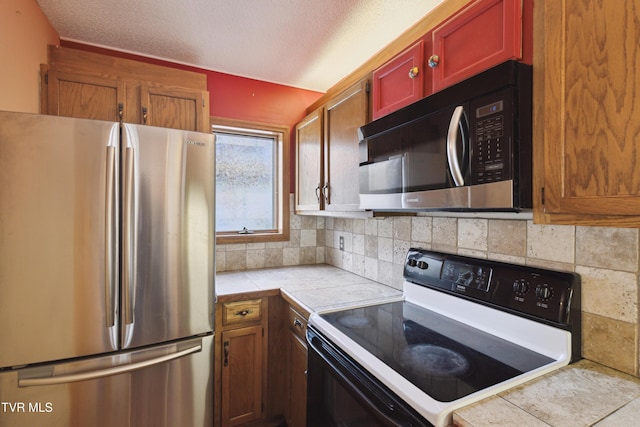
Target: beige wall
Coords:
[[24, 35]]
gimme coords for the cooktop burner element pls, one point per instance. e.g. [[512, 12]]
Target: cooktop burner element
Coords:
[[467, 329], [432, 360], [354, 320]]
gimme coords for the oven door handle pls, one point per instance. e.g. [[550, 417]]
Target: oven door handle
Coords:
[[346, 372]]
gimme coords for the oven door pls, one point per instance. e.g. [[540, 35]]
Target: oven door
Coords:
[[341, 393]]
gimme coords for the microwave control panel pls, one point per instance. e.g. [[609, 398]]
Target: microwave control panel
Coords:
[[491, 141]]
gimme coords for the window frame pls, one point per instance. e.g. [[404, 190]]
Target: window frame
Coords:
[[281, 233]]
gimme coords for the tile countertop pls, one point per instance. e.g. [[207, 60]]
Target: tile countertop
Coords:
[[316, 287], [582, 394]]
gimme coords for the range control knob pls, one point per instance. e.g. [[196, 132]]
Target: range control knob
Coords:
[[423, 265], [544, 292], [520, 286], [412, 262]]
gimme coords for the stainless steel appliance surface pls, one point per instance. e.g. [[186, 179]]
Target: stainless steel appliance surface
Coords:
[[467, 147], [106, 273], [465, 330]]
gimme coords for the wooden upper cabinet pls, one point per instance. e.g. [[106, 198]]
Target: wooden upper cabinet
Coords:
[[173, 108], [327, 156], [481, 35], [84, 96], [399, 82], [343, 116], [90, 85], [309, 134], [586, 121]]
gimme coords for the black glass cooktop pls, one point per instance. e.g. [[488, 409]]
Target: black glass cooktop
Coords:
[[444, 358]]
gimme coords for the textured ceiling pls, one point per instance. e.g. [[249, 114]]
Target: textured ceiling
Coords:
[[309, 44]]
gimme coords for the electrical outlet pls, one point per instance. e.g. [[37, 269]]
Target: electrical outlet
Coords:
[[342, 243]]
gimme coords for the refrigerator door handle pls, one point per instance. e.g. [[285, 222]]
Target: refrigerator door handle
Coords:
[[110, 217], [101, 373], [128, 283]]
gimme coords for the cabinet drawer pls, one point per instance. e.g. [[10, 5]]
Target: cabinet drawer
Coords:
[[297, 323], [241, 311]]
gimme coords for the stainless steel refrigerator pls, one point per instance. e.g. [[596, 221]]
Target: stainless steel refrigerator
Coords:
[[106, 274]]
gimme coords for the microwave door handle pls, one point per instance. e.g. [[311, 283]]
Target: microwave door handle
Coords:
[[452, 138]]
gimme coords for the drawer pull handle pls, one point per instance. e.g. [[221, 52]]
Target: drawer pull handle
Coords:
[[297, 324], [243, 313]]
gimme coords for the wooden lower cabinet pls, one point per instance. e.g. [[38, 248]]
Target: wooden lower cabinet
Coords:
[[242, 375], [240, 361], [260, 362], [296, 415]]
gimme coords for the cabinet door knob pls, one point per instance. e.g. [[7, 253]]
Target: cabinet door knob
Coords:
[[297, 323], [413, 73], [144, 115], [434, 60]]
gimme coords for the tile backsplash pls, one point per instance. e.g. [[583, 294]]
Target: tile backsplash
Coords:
[[606, 258]]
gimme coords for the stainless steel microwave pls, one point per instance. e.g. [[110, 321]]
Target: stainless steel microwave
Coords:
[[465, 148]]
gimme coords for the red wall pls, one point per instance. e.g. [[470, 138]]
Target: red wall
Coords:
[[240, 97]]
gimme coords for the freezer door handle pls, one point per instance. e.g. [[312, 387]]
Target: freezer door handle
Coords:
[[101, 373], [110, 217], [129, 232]]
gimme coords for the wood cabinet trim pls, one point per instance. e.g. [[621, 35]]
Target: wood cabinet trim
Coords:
[[75, 60]]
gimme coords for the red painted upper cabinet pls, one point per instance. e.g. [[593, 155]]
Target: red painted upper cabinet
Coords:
[[483, 34], [399, 82]]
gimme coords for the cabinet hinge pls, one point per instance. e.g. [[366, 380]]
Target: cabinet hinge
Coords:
[[542, 195]]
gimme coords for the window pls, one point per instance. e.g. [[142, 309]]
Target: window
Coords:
[[252, 181]]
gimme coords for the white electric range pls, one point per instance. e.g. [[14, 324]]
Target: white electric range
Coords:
[[466, 329]]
